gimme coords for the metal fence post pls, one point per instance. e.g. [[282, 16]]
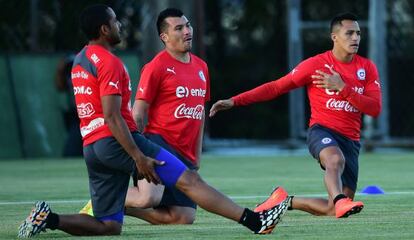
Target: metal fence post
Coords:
[[378, 54]]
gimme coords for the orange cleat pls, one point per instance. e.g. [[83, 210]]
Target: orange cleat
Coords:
[[276, 197], [345, 207]]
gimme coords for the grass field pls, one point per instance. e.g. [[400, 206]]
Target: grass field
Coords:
[[247, 180]]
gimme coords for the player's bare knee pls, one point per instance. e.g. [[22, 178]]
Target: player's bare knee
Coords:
[[181, 218], [186, 219], [137, 203], [335, 162], [189, 179], [143, 201]]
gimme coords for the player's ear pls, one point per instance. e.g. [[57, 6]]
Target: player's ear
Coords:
[[164, 37], [333, 37], [105, 29]]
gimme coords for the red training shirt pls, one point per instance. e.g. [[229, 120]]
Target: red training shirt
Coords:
[[96, 72], [176, 92]]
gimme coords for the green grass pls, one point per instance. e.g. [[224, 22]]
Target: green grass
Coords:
[[246, 179]]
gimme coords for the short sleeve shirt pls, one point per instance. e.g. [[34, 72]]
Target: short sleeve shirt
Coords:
[[176, 92]]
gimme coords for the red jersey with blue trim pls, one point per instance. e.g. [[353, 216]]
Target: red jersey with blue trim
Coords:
[[96, 72], [176, 92], [339, 111]]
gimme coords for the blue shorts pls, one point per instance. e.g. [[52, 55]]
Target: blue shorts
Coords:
[[110, 167], [320, 137]]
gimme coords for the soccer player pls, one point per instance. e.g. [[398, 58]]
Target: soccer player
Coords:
[[341, 86], [113, 149], [171, 94]]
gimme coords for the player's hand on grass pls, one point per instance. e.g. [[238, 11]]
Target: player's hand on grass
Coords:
[[221, 105], [145, 166]]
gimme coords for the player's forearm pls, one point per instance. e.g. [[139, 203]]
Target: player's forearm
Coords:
[[200, 142], [139, 120], [369, 104], [139, 113]]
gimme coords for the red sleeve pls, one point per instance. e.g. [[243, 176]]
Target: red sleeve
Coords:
[[148, 83], [370, 102], [298, 77], [110, 73], [265, 92]]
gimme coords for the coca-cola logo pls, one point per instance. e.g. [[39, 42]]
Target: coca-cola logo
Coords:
[[94, 124], [85, 110], [183, 111], [340, 105]]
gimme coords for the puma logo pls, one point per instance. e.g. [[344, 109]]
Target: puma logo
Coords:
[[171, 70], [329, 66], [114, 84]]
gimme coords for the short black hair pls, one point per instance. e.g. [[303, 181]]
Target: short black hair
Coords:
[[337, 20], [92, 18], [169, 12]]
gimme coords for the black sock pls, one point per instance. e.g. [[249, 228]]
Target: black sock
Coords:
[[339, 197], [251, 220], [290, 203], [52, 221]]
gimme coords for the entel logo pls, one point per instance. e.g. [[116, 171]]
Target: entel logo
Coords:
[[356, 89], [181, 92], [82, 90], [331, 92]]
